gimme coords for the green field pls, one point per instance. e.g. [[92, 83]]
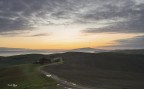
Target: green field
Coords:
[[25, 76]]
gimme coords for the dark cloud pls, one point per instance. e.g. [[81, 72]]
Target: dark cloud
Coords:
[[20, 15], [22, 34], [8, 24], [110, 10], [128, 18], [131, 43], [40, 34], [13, 33]]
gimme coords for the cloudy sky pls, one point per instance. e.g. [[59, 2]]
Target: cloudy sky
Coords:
[[69, 24]]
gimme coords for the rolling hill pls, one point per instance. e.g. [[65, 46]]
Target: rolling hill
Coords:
[[102, 70], [131, 51], [107, 70], [20, 59], [87, 50]]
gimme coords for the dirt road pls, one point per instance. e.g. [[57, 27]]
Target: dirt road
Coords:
[[61, 83]]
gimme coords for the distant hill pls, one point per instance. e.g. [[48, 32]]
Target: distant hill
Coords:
[[131, 51], [20, 51], [4, 49], [87, 50]]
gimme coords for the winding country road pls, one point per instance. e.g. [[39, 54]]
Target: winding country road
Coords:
[[62, 83]]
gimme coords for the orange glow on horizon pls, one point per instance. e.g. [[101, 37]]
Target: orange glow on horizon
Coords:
[[53, 42]]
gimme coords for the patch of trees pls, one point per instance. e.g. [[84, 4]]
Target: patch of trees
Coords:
[[48, 60]]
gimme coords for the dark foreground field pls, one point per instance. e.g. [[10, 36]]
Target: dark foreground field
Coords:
[[103, 70]]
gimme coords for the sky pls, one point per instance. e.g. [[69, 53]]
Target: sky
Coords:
[[70, 24]]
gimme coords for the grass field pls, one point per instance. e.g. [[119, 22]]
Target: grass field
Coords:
[[19, 59], [25, 76], [102, 70], [99, 70]]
